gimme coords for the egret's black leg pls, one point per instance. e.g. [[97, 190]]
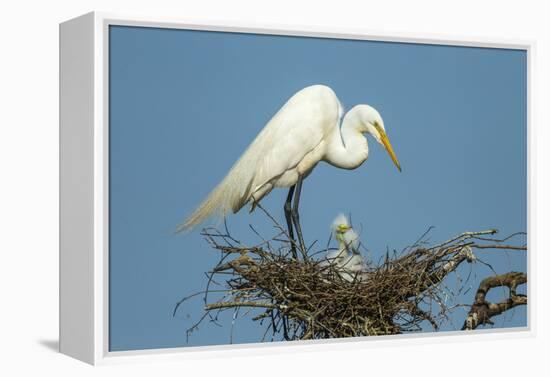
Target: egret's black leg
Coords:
[[296, 217], [288, 216]]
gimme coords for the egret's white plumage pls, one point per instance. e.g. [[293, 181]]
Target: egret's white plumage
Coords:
[[349, 261], [354, 263], [303, 132], [351, 239], [339, 222], [335, 257]]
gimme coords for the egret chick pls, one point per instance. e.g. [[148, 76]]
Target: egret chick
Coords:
[[339, 227], [347, 257]]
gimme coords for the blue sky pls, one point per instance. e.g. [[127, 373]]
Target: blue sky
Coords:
[[185, 104]]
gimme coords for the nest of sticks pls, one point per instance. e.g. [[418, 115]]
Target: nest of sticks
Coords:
[[308, 299]]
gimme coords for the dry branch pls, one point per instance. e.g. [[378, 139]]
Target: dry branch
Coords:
[[481, 311]]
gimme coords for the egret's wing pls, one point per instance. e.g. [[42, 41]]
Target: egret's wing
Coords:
[[297, 128]]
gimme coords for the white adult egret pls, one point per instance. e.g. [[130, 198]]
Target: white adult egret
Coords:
[[303, 132]]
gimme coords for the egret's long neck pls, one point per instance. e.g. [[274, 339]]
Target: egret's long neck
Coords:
[[347, 147]]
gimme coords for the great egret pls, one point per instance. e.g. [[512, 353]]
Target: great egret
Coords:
[[303, 132]]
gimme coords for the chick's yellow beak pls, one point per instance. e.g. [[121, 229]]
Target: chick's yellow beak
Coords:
[[389, 148], [342, 228]]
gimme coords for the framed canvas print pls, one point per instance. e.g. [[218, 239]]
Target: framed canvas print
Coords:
[[227, 187]]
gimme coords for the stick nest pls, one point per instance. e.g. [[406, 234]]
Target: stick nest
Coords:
[[309, 299]]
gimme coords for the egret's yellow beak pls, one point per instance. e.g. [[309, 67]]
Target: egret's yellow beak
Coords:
[[389, 148]]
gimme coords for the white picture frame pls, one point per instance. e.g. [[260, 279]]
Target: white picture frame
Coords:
[[84, 157]]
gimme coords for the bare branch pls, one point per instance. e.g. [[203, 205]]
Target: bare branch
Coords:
[[507, 247], [225, 305], [481, 311]]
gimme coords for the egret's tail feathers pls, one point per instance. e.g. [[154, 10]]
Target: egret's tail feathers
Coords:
[[212, 205], [221, 201]]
